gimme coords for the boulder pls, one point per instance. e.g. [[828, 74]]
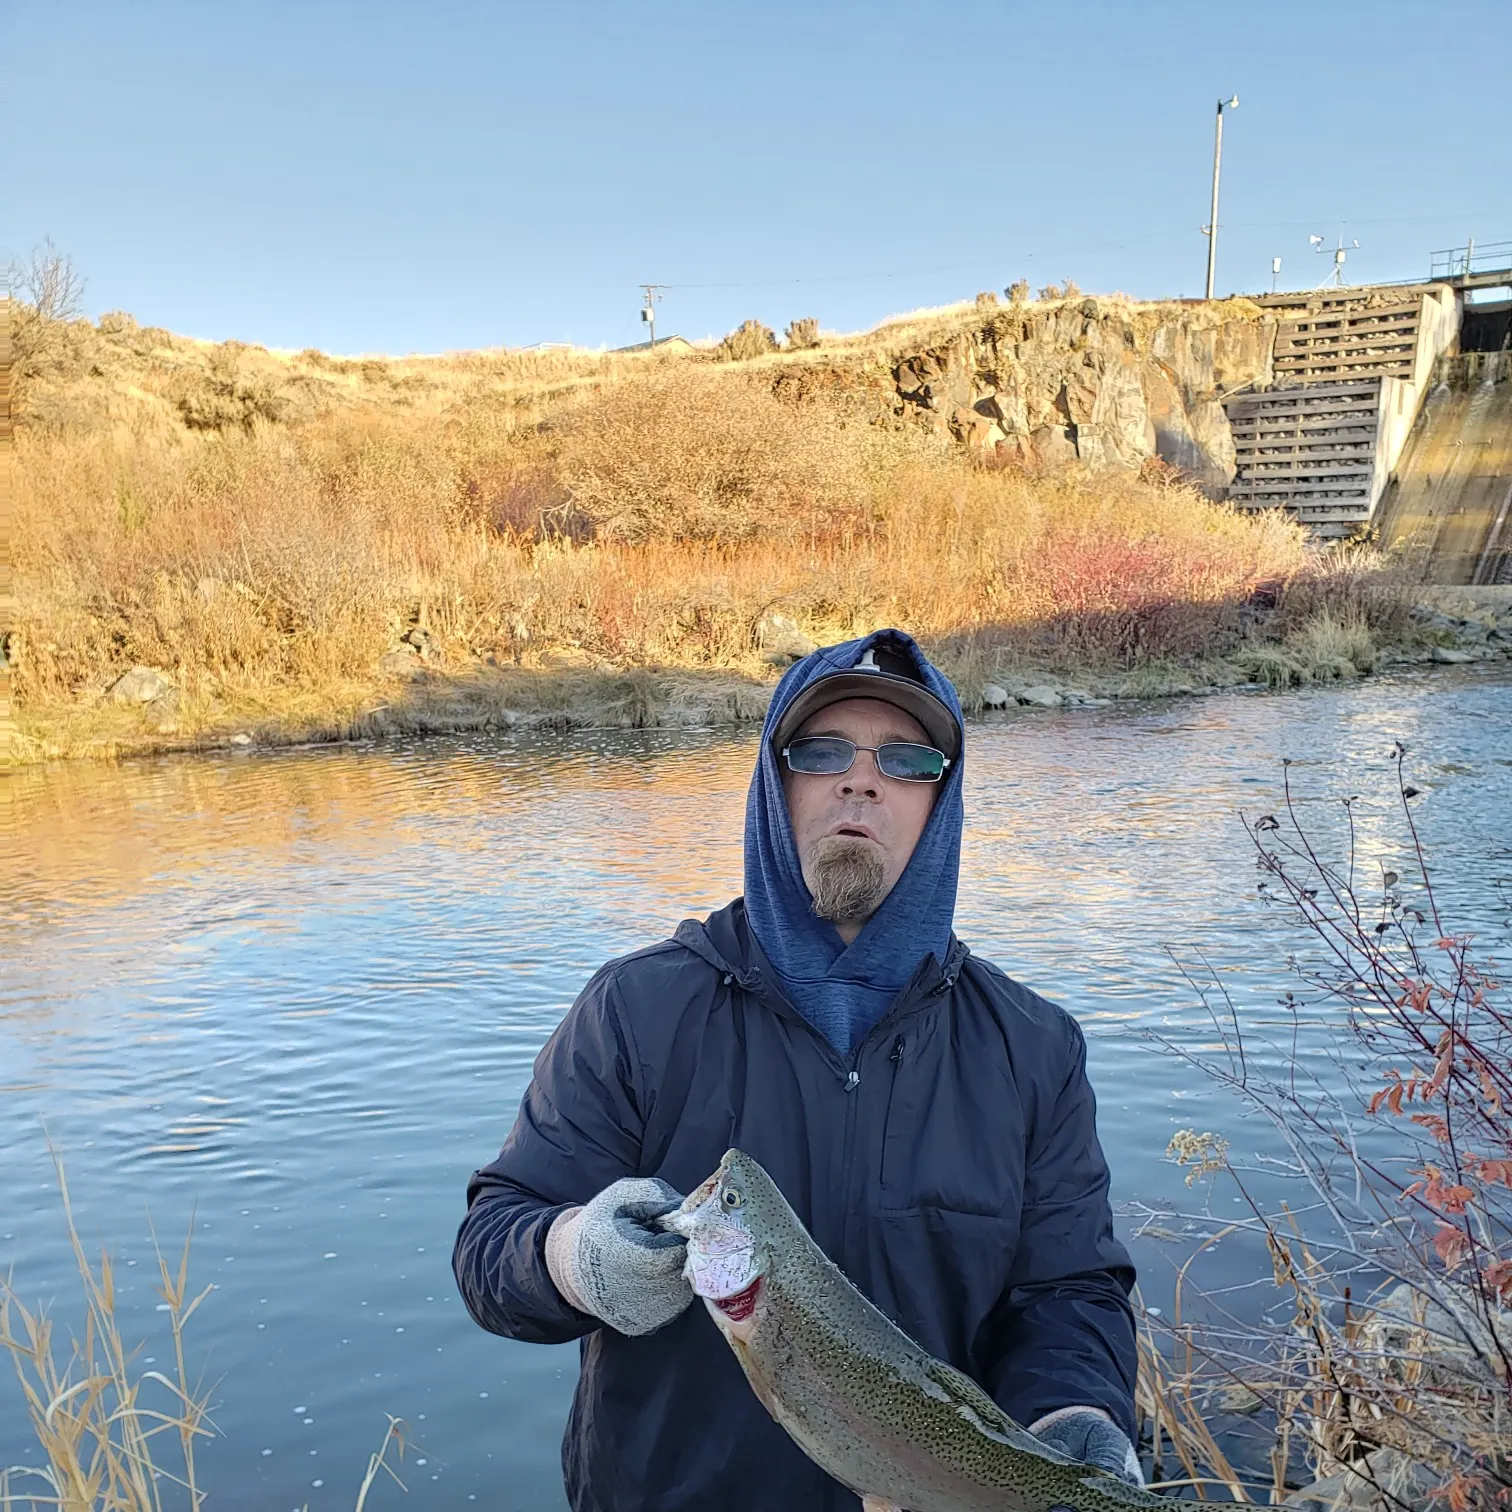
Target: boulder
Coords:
[[402, 661], [781, 639], [1053, 446], [1109, 387], [1451, 656], [1406, 1484], [994, 696], [423, 642], [1040, 697], [141, 685]]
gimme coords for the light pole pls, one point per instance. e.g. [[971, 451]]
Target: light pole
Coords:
[[1212, 226]]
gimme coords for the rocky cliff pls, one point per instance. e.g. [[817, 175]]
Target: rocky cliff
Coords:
[[1101, 381]]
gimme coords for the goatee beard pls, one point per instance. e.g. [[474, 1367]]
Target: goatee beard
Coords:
[[846, 879]]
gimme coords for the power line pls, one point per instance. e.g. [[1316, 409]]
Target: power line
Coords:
[[1009, 259]]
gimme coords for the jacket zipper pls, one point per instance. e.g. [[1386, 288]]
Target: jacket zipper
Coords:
[[856, 1199], [900, 1046], [852, 1078]]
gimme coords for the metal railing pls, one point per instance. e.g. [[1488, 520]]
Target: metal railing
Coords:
[[1474, 257]]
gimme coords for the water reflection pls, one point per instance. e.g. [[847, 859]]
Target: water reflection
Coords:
[[294, 998]]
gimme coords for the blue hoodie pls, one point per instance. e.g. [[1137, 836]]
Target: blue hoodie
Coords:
[[844, 990]]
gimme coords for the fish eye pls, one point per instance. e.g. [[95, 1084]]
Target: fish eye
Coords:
[[732, 1198]]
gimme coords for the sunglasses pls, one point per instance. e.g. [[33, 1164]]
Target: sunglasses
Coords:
[[830, 755]]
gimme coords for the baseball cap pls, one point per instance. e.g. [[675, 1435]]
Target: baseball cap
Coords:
[[883, 671]]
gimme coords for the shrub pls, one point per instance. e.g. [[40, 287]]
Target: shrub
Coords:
[[227, 399], [701, 455], [1018, 291], [749, 339], [986, 300], [1394, 1237], [802, 334]]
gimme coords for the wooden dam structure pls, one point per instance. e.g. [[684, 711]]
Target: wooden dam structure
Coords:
[[1352, 374]]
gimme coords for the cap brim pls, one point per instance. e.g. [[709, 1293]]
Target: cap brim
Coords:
[[913, 698]]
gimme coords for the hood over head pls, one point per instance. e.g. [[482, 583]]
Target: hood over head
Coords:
[[844, 989]]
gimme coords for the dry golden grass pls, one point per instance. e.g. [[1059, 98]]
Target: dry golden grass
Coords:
[[115, 1437], [263, 526], [284, 559]]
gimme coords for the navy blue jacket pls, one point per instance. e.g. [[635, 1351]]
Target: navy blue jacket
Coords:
[[949, 1165]]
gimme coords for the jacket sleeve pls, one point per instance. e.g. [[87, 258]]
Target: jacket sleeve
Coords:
[[578, 1129], [1062, 1334]]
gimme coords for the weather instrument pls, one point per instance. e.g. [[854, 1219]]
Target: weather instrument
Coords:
[[1339, 253]]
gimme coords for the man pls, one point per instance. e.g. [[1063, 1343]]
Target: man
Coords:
[[928, 1118]]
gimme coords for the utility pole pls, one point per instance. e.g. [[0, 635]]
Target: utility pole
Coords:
[[1212, 226], [7, 586], [648, 310]]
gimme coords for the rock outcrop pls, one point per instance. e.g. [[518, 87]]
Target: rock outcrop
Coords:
[[1103, 382]]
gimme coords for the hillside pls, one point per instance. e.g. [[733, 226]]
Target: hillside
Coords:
[[294, 545]]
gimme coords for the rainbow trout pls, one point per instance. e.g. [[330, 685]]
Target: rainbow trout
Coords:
[[858, 1396]]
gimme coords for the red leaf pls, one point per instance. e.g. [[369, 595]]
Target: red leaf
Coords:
[[1451, 1246]]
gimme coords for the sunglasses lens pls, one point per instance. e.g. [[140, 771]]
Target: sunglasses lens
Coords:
[[820, 755], [911, 763]]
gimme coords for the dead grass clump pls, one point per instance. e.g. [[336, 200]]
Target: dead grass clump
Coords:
[[115, 1437], [101, 1423]]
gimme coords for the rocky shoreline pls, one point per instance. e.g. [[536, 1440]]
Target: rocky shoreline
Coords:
[[143, 711]]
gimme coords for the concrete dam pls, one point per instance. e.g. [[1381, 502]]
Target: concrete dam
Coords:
[[1381, 410]]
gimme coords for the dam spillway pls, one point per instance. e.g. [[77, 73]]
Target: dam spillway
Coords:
[[1448, 509]]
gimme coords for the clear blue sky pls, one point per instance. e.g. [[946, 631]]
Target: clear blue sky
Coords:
[[405, 177]]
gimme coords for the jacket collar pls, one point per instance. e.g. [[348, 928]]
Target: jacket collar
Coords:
[[726, 942]]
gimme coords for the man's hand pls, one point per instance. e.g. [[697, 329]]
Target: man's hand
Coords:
[[612, 1260], [1088, 1434]]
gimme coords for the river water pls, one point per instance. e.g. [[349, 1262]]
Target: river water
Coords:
[[290, 1000]]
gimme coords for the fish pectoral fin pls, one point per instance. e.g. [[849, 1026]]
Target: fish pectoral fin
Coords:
[[948, 1384], [879, 1504]]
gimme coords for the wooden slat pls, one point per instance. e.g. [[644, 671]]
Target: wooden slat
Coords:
[[1251, 471], [1297, 490], [1344, 390], [1321, 411], [1353, 417], [1348, 318], [1352, 357], [1299, 372], [1306, 461], [1318, 449], [1325, 345], [1327, 404], [1340, 330], [1333, 363]]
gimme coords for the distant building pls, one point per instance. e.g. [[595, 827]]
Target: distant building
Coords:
[[669, 343]]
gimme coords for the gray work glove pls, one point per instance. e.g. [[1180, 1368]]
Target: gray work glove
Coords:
[[612, 1260], [1089, 1435]]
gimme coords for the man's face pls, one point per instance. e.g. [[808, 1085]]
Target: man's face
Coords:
[[856, 831]]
